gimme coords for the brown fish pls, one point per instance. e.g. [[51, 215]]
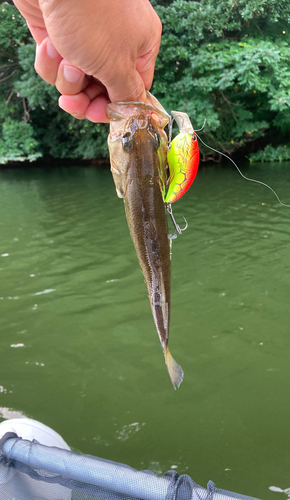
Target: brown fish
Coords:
[[138, 155]]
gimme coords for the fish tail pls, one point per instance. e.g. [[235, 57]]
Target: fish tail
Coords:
[[174, 369]]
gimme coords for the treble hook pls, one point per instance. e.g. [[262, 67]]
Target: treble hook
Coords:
[[170, 125], [176, 226]]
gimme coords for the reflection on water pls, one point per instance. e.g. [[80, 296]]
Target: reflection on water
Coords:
[[279, 490], [127, 430], [8, 413], [78, 347]]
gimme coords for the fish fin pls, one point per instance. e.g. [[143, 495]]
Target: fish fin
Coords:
[[174, 369]]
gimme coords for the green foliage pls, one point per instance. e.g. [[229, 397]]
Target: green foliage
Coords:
[[31, 123], [228, 62], [280, 153], [17, 136], [13, 28], [17, 142], [13, 32], [59, 134], [224, 61], [29, 85]]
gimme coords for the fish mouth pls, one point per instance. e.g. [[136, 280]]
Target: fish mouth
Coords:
[[122, 110], [147, 107]]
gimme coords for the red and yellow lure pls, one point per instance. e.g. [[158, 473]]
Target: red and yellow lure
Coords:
[[183, 158]]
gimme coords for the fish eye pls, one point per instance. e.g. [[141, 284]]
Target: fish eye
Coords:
[[127, 141], [194, 138]]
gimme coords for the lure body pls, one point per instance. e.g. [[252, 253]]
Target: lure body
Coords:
[[183, 159]]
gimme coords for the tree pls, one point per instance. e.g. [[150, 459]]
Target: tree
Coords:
[[17, 140], [32, 125]]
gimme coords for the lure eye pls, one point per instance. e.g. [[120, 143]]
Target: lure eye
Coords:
[[127, 141], [194, 138]]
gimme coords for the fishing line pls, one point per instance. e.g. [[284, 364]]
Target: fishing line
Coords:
[[246, 178], [199, 129], [170, 125]]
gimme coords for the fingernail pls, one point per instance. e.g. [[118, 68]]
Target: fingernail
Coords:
[[51, 50], [72, 74]]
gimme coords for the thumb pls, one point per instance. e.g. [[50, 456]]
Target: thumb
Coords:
[[126, 87], [132, 86]]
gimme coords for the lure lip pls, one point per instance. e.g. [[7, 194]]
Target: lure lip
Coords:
[[183, 122]]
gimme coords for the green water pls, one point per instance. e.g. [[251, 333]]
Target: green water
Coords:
[[86, 358]]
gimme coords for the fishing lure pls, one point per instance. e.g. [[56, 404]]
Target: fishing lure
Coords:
[[182, 158]]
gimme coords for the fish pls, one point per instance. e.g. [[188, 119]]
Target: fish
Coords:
[[138, 147]]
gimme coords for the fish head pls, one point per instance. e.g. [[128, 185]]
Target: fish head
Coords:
[[136, 131]]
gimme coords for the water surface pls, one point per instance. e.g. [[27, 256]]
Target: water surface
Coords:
[[78, 347]]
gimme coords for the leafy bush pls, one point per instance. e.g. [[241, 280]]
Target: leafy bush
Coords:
[[281, 153], [17, 136], [18, 142], [31, 121], [228, 62]]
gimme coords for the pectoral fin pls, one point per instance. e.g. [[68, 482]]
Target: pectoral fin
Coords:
[[120, 184]]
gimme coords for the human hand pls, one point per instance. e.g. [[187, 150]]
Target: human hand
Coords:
[[94, 51]]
